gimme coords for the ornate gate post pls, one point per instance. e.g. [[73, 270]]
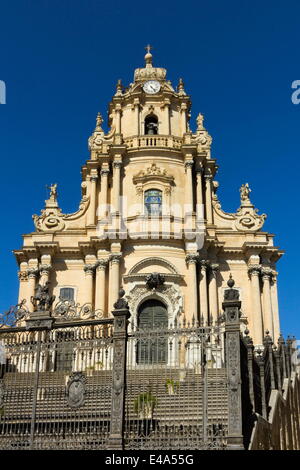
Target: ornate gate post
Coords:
[[231, 307], [121, 315]]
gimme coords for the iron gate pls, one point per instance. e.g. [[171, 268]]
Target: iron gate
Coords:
[[180, 402], [56, 387]]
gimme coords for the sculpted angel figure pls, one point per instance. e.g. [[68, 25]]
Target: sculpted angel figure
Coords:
[[53, 191], [245, 191], [200, 119]]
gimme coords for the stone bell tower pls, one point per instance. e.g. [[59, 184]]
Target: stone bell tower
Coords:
[[150, 210]]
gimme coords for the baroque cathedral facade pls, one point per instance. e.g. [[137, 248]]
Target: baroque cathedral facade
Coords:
[[150, 221]]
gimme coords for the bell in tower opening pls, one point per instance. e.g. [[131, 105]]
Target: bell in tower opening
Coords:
[[151, 125]]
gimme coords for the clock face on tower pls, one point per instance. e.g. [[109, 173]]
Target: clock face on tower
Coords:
[[152, 86]]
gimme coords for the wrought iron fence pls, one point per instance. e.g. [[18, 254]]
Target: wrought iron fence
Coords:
[[176, 388], [56, 387], [81, 381], [263, 370]]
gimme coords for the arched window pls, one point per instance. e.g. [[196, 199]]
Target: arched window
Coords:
[[153, 201], [152, 347], [151, 125]]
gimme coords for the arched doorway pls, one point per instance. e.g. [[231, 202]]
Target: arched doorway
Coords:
[[153, 323]]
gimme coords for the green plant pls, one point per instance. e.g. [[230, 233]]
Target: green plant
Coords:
[[171, 385], [145, 403]]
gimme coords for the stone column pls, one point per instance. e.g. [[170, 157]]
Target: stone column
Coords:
[[268, 314], [23, 286], [32, 278], [116, 186], [118, 111], [203, 301], [100, 293], [208, 198], [166, 106], [114, 279], [258, 329], [183, 110], [137, 116], [92, 209], [189, 185], [200, 211], [103, 194], [274, 296], [191, 260], [213, 293], [89, 282]]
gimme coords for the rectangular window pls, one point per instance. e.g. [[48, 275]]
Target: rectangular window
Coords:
[[66, 293]]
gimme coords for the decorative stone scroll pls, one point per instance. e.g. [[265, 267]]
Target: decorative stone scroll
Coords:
[[245, 219], [246, 216], [52, 219]]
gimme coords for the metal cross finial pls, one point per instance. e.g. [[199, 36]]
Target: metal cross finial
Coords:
[[148, 48]]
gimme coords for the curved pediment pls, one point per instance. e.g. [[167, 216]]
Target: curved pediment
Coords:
[[150, 265]]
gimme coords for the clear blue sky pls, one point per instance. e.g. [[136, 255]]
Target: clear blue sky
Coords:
[[60, 61]]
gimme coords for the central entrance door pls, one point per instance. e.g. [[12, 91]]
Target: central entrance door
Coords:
[[153, 325]]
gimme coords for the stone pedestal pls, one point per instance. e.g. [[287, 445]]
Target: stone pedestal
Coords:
[[40, 320]]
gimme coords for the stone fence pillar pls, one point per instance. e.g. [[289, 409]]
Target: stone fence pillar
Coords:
[[231, 307], [121, 315]]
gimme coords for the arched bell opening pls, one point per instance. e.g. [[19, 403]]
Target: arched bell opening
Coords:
[[151, 125]]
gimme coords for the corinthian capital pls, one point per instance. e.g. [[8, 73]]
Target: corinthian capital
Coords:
[[23, 275], [214, 267], [115, 258], [188, 164], [89, 269], [104, 172], [266, 274], [204, 264], [101, 264], [32, 273], [45, 268], [191, 258], [254, 270]]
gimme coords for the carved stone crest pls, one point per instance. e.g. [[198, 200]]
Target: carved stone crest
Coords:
[[154, 280], [76, 388]]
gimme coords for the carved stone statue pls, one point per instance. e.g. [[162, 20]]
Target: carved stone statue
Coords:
[[42, 300], [200, 119], [99, 121], [245, 191], [53, 190]]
